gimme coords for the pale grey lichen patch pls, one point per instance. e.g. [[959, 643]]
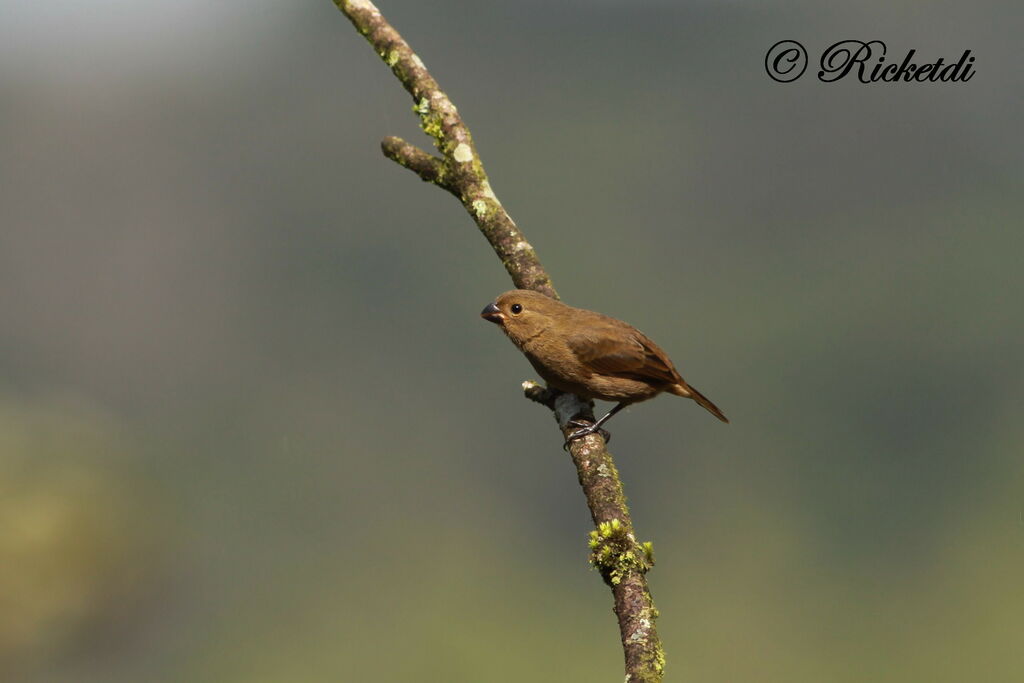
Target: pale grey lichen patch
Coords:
[[640, 633], [522, 245], [417, 61], [566, 407], [603, 471], [480, 207], [362, 4], [488, 192], [462, 154]]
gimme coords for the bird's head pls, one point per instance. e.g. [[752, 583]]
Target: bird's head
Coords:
[[522, 313]]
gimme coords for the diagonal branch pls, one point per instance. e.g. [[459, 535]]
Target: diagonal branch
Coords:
[[459, 169], [615, 552]]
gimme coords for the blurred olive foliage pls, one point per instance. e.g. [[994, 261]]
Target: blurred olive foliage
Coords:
[[251, 428]]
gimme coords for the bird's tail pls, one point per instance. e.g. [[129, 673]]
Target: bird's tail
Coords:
[[685, 390]]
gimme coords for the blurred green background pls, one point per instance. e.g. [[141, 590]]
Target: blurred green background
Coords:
[[252, 429]]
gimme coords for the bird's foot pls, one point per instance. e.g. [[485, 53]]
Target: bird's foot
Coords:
[[586, 430]]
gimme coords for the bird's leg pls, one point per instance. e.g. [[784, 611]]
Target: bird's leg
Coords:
[[591, 428]]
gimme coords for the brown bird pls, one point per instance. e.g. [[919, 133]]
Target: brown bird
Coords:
[[588, 354]]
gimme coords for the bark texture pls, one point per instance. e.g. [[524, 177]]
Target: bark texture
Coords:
[[615, 552]]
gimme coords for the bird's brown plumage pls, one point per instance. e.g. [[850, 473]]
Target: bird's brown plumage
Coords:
[[587, 353]]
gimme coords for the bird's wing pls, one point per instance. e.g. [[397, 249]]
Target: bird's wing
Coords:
[[611, 350]]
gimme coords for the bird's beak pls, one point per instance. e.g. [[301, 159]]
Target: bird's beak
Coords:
[[492, 313]]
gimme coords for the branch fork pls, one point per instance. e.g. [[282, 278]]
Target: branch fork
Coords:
[[615, 552]]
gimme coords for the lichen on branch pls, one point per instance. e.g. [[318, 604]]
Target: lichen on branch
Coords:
[[615, 552]]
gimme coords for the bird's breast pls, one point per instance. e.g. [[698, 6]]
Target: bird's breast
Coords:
[[556, 364]]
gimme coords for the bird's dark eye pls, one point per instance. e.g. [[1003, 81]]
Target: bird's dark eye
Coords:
[[516, 309]]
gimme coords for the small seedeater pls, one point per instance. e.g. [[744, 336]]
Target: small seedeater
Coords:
[[589, 354]]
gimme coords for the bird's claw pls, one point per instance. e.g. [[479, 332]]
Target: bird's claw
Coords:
[[586, 430]]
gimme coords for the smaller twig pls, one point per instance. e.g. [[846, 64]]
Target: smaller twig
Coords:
[[425, 165], [540, 394]]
